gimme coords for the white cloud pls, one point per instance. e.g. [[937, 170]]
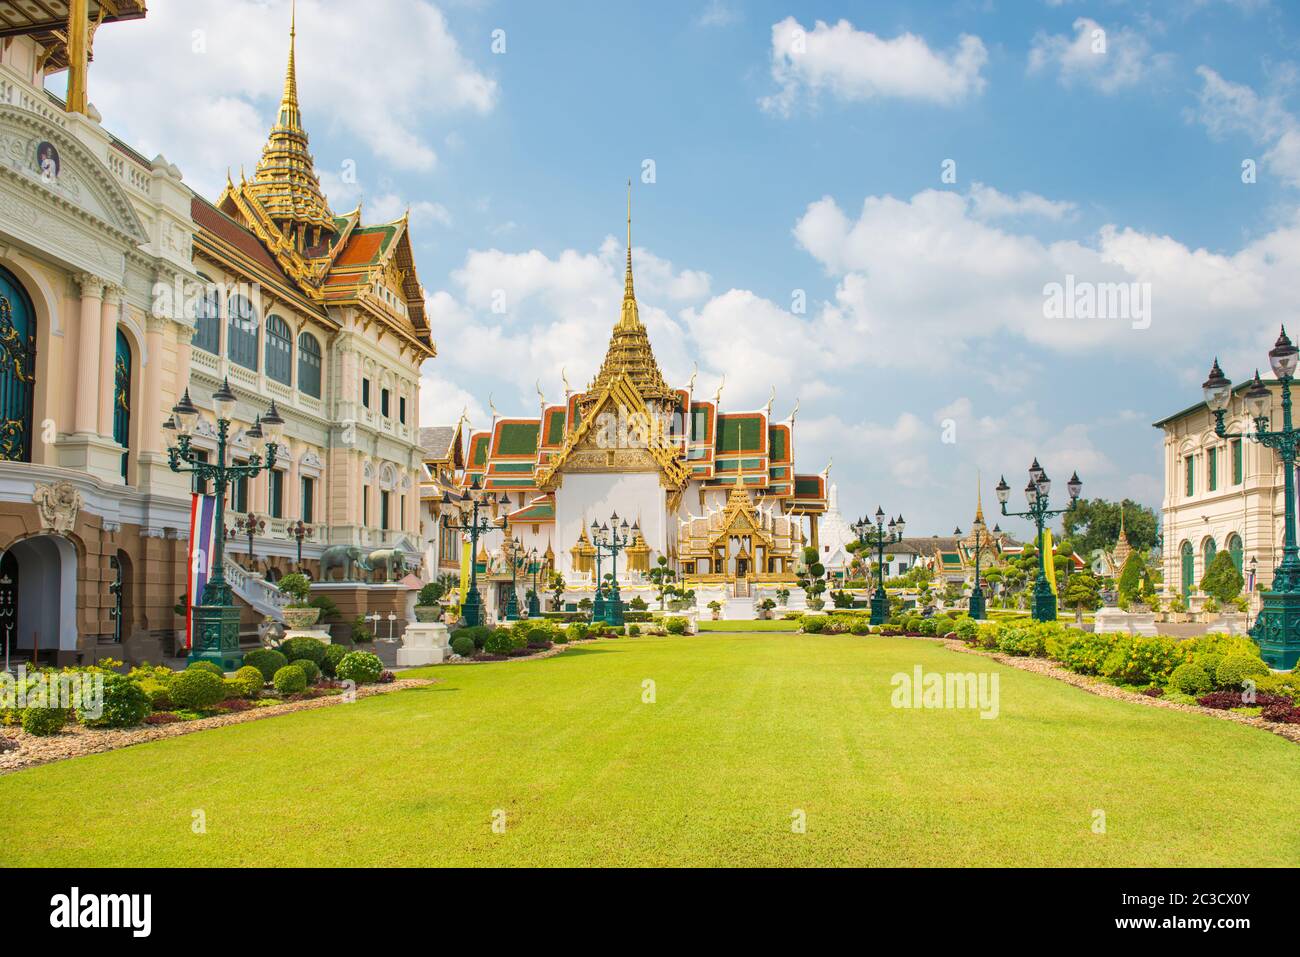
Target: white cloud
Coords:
[[390, 206], [718, 13], [1107, 60], [1226, 107], [200, 80], [988, 203], [855, 65]]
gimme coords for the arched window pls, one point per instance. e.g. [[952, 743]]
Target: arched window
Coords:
[[1209, 550], [122, 398], [279, 349], [309, 365], [17, 369], [241, 332], [207, 318], [1189, 568], [1235, 550]]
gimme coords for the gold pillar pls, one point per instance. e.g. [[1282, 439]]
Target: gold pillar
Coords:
[[86, 416], [78, 56]]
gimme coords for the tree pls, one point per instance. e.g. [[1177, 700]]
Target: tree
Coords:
[[1222, 581], [557, 590], [1094, 523], [1132, 579], [1083, 593], [663, 577], [812, 575]]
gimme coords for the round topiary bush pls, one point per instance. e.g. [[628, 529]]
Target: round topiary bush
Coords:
[[196, 689], [209, 666], [676, 626], [1236, 668], [266, 660], [813, 624], [576, 631], [290, 680], [463, 645], [499, 643], [860, 626], [1190, 678], [333, 655], [311, 649], [633, 631], [309, 669], [249, 681], [361, 667], [538, 635], [44, 722], [124, 705]]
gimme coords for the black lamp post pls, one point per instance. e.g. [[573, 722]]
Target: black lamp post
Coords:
[[598, 605], [476, 498], [298, 531], [215, 618], [1277, 627], [250, 525], [534, 603], [877, 535], [976, 604], [1036, 492]]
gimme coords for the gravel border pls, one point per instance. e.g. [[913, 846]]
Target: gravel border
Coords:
[[77, 740], [1104, 689]]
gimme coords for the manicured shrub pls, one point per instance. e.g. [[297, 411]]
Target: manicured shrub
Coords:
[[1190, 678], [539, 637], [309, 668], [576, 631], [196, 689], [927, 627], [1281, 713], [966, 629], [463, 645], [1285, 685], [290, 680], [156, 690], [266, 660], [209, 666], [1021, 642], [1236, 668], [860, 627], [249, 681], [333, 655], [675, 625], [361, 667], [478, 634], [633, 631], [1140, 660], [1082, 652], [499, 642], [296, 649], [44, 722], [813, 624]]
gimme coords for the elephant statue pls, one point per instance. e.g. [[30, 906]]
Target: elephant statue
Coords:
[[391, 560], [348, 557]]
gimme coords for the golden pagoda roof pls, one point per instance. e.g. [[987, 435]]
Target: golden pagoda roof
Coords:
[[285, 181], [629, 346]]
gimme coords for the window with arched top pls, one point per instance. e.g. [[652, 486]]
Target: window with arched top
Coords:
[[1188, 556], [207, 318], [1210, 549], [309, 365], [279, 349], [241, 332], [1235, 550]]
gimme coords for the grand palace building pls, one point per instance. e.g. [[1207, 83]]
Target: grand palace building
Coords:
[[713, 493], [120, 288]]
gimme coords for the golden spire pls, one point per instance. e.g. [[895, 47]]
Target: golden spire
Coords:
[[629, 319], [285, 181], [979, 500]]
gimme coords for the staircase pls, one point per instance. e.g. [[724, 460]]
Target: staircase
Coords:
[[259, 594]]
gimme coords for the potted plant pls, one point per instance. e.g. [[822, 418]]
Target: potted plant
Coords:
[[716, 608], [783, 596], [298, 614], [765, 608], [427, 607]]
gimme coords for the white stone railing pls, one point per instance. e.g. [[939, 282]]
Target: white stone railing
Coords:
[[263, 597]]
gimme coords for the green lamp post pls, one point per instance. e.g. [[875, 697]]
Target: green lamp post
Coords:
[[215, 618], [471, 522], [510, 549], [1277, 629], [613, 538], [598, 604], [877, 535], [1036, 494], [534, 565]]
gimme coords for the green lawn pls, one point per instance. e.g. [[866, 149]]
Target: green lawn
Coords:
[[746, 730], [776, 624]]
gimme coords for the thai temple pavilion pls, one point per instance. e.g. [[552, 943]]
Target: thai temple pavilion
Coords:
[[713, 492]]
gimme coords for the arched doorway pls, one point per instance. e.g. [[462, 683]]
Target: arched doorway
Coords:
[[45, 606], [1189, 568], [1235, 550], [122, 398], [121, 589], [17, 369]]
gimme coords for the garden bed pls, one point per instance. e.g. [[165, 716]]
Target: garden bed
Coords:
[[76, 740]]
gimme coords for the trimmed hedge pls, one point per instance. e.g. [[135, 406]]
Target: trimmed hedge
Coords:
[[463, 645], [309, 669], [266, 660], [290, 680], [333, 655], [361, 667], [124, 705], [209, 666], [302, 647], [197, 689]]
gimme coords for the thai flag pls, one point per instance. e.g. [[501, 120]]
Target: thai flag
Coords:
[[203, 527]]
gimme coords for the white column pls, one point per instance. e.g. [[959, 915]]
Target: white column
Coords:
[[108, 312], [86, 417]]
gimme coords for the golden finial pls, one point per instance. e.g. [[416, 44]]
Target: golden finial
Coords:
[[770, 399], [541, 396], [564, 377], [979, 500], [493, 408], [629, 319], [717, 396], [794, 411], [690, 386]]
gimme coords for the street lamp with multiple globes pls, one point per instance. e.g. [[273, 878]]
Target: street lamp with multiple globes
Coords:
[[869, 535], [1036, 494], [471, 609], [1277, 629], [298, 531], [612, 538], [250, 525], [510, 548], [534, 565], [976, 608], [215, 618]]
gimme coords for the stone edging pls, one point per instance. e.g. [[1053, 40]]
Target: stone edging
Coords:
[[76, 740], [1103, 689]]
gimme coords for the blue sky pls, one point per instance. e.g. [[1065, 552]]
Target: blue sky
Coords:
[[796, 146]]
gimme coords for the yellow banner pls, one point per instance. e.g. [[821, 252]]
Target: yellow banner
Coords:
[[1049, 566], [464, 568]]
